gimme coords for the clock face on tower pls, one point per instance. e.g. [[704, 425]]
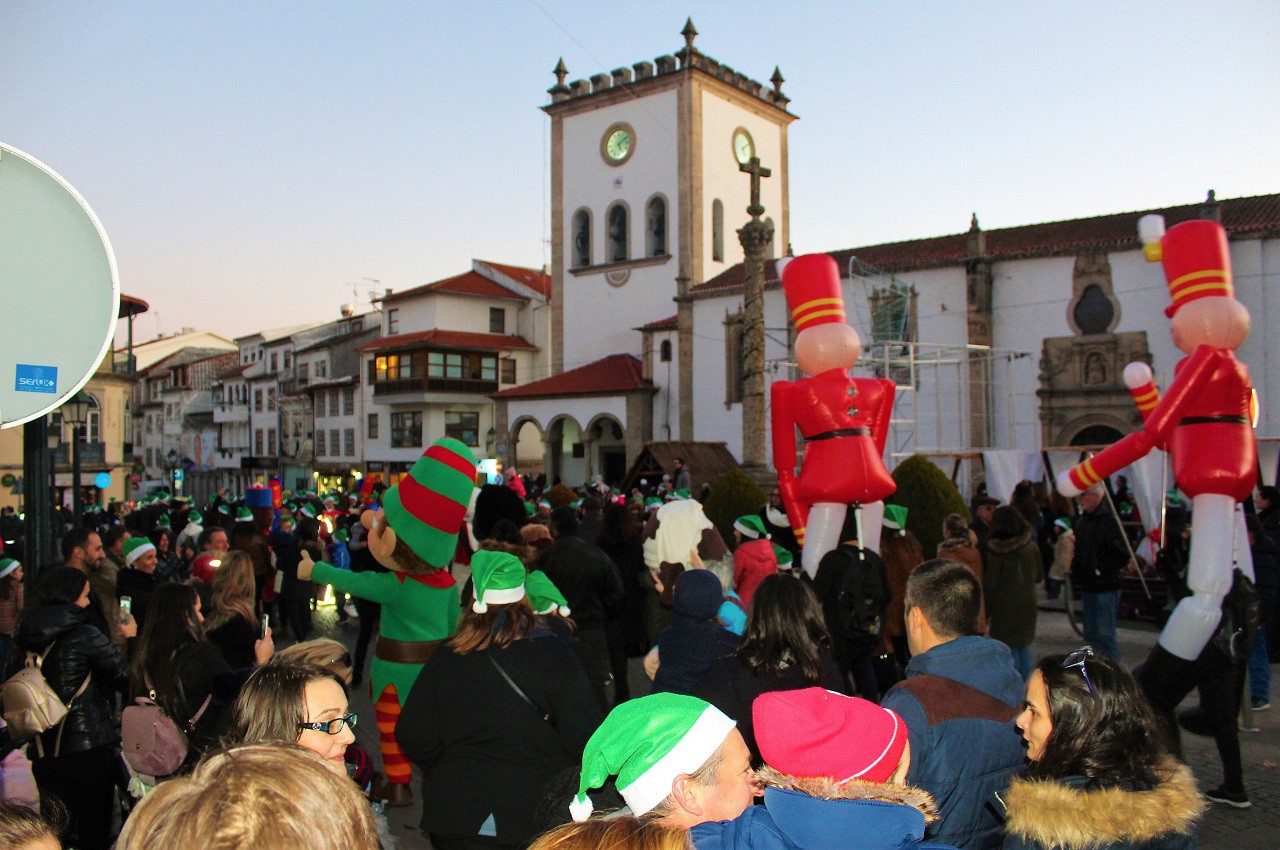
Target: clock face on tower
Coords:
[[743, 147], [618, 143]]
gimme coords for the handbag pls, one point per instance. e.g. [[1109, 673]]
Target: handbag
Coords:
[[152, 744], [545, 715]]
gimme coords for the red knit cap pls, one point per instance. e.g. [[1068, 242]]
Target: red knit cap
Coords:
[[817, 733]]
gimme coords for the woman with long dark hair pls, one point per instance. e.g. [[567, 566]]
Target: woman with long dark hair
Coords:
[[1101, 772], [175, 660], [1012, 573], [785, 647], [620, 539], [76, 761], [497, 711]]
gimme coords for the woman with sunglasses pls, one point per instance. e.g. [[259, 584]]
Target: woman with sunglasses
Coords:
[[1101, 774]]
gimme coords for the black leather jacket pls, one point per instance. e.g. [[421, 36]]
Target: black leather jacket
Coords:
[[79, 650]]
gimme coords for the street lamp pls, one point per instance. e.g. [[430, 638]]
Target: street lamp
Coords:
[[76, 412]]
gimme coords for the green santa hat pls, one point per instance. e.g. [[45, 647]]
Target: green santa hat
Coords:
[[683, 493], [895, 518], [426, 508], [544, 596], [1063, 523], [784, 556], [529, 509], [652, 503], [647, 743], [163, 522], [751, 527], [243, 514], [543, 503], [8, 565], [195, 517], [225, 510], [308, 510], [135, 548], [498, 577]]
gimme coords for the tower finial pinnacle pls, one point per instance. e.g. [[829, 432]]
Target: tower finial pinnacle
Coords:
[[560, 71], [689, 32], [777, 79]]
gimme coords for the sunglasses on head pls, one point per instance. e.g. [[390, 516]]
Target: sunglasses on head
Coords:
[[1078, 659]]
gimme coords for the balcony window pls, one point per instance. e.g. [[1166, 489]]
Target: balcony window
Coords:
[[406, 430], [349, 401], [371, 426], [393, 367], [462, 426]]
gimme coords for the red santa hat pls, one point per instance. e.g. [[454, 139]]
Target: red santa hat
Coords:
[[816, 733]]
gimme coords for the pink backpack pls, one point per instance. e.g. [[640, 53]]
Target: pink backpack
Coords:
[[152, 743]]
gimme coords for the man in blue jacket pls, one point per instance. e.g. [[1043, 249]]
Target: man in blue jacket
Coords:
[[959, 702]]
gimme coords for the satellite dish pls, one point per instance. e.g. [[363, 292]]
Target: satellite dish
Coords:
[[60, 289]]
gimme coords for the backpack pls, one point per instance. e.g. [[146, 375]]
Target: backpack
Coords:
[[151, 743], [31, 706], [861, 601]]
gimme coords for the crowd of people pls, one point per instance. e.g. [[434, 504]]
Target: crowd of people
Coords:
[[891, 699]]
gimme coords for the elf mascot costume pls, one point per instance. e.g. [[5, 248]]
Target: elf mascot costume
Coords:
[[413, 536]]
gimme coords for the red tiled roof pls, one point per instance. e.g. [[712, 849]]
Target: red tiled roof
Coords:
[[1119, 231], [617, 373], [450, 339], [532, 278], [467, 283], [667, 324]]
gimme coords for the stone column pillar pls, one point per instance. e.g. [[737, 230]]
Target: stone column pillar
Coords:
[[979, 291], [684, 348], [502, 433], [589, 453], [754, 236]]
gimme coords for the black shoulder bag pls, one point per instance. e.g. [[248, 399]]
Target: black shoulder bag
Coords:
[[545, 715]]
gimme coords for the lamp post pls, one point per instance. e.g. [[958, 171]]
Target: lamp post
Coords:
[[76, 412]]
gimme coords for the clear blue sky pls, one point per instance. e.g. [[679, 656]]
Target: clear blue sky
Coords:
[[251, 160]]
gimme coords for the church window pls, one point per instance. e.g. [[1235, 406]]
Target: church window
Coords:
[[717, 231], [1094, 312], [618, 242], [656, 227], [581, 239], [664, 351], [735, 352]]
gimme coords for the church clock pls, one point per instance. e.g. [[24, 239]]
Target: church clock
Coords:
[[618, 143], [743, 146]]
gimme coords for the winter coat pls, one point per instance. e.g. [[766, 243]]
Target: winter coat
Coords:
[[102, 583], [818, 814], [731, 686], [590, 526], [1101, 555], [962, 552], [485, 754], [1068, 814], [826, 585], [1064, 552], [138, 586], [959, 701], [235, 639], [1012, 573], [1266, 572], [753, 562], [288, 552], [901, 554], [80, 650], [695, 637], [586, 577]]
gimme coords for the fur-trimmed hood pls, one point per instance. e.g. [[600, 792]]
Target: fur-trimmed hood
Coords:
[[854, 789], [1003, 546], [1071, 817]]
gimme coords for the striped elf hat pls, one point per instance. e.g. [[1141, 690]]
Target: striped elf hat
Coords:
[[426, 508], [812, 286]]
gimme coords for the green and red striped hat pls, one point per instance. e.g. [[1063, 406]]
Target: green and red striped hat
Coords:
[[426, 508]]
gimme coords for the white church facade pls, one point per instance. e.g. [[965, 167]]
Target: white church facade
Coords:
[[1009, 339]]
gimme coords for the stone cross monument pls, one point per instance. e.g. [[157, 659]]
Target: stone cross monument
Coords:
[[754, 236]]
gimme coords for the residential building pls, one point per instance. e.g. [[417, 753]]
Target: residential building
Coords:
[[444, 348]]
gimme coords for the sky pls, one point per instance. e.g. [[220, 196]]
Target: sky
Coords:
[[252, 162]]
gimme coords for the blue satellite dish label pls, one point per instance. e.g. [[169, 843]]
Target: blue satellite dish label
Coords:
[[35, 379]]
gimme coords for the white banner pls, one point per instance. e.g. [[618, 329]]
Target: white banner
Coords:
[[1006, 467]]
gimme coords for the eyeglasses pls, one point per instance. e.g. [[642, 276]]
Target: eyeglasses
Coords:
[[331, 727], [1078, 659]]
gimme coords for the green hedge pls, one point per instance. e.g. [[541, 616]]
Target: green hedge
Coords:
[[928, 495], [734, 495]]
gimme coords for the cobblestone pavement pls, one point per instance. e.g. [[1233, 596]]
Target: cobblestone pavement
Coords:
[[1223, 827]]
